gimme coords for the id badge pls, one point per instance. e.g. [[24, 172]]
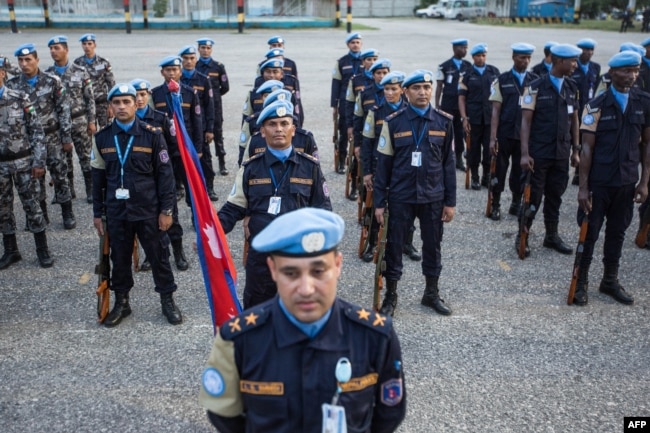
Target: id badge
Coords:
[[450, 78], [569, 109], [274, 205], [122, 194], [334, 419], [591, 93], [416, 159]]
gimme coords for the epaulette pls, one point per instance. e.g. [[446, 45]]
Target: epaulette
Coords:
[[593, 110], [309, 157], [369, 318], [105, 127], [443, 113], [398, 112], [152, 129], [606, 79], [250, 319], [252, 158]]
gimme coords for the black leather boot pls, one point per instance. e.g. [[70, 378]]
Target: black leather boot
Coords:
[[610, 286], [354, 194], [170, 310], [88, 181], [495, 215], [390, 299], [431, 298], [580, 297], [145, 265], [73, 193], [341, 169], [553, 239], [42, 251], [11, 254], [211, 194], [69, 221], [121, 309], [515, 206], [179, 255], [409, 249], [46, 217], [369, 254], [222, 166]]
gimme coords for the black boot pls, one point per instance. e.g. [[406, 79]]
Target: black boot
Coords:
[[369, 254], [390, 299], [211, 194], [553, 239], [610, 286], [145, 265], [475, 185], [170, 310], [69, 221], [88, 181], [495, 215], [431, 298], [515, 206], [46, 217], [11, 254], [73, 193], [353, 191], [409, 249], [580, 296], [341, 169], [179, 255], [42, 251], [121, 309], [526, 249], [222, 166], [485, 179]]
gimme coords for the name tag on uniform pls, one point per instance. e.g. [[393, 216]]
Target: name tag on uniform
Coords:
[[75, 78], [99, 67], [569, 109], [521, 98], [416, 159], [122, 194], [274, 205], [450, 78], [334, 419]]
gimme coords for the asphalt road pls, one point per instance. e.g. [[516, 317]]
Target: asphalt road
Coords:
[[512, 358]]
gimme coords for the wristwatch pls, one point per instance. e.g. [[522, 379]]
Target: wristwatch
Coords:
[[167, 212]]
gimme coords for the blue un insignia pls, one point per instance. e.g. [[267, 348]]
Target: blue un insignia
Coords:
[[382, 142], [213, 382], [528, 99], [588, 119]]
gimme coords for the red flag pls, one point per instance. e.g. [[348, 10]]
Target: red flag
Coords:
[[219, 272]]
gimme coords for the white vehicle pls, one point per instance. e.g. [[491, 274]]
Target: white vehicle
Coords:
[[465, 9], [432, 11]]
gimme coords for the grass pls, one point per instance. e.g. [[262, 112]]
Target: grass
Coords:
[[605, 25]]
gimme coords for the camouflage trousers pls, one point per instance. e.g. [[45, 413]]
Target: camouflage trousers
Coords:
[[58, 168], [82, 144], [19, 173], [101, 114]]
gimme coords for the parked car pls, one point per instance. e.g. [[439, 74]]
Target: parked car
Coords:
[[431, 11]]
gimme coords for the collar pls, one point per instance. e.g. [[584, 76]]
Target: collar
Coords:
[[418, 112], [457, 62], [124, 126], [90, 60], [141, 113], [270, 158], [556, 82], [135, 129], [309, 329], [188, 73], [355, 55], [283, 154], [287, 334], [396, 106], [31, 81], [61, 69], [205, 60], [480, 69]]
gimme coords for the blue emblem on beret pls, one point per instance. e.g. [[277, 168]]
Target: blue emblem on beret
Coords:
[[352, 37], [170, 61], [275, 40], [273, 62], [380, 64], [528, 99], [213, 382], [522, 48], [274, 110], [140, 84], [187, 50], [418, 76], [461, 41], [630, 46], [277, 95], [24, 50], [587, 43], [624, 58], [274, 52], [587, 119], [370, 52], [205, 41], [121, 89], [478, 49], [270, 86], [392, 392], [393, 77], [565, 51], [88, 37], [60, 39]]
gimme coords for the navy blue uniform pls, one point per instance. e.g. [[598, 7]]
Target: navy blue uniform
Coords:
[[448, 76], [346, 67], [216, 73], [299, 182], [303, 141], [291, 84], [540, 69], [149, 179], [356, 85], [586, 82]]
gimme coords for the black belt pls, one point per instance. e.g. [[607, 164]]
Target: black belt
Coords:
[[15, 156]]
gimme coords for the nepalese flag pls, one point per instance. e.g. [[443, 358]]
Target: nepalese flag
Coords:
[[219, 272]]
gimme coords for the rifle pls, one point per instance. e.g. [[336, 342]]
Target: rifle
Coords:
[[644, 228], [367, 217], [359, 188], [335, 140], [348, 173], [528, 212], [467, 170], [103, 271], [380, 262], [492, 181], [576, 262], [136, 255]]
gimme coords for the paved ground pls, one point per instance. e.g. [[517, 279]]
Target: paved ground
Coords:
[[512, 358]]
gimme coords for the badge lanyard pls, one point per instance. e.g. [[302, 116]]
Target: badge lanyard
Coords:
[[275, 201], [121, 158], [334, 415], [416, 157]]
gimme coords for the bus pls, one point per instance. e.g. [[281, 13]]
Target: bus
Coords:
[[465, 9]]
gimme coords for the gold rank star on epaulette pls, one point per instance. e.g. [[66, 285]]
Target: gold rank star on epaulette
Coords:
[[154, 129], [371, 319], [244, 322]]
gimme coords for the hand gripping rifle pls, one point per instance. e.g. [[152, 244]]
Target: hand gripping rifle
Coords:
[[492, 181], [380, 262], [335, 140], [467, 170], [103, 271], [576, 262], [644, 228], [367, 219], [528, 212]]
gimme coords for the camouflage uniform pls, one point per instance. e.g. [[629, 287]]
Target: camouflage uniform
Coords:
[[101, 74]]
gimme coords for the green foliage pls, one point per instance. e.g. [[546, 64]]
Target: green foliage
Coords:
[[160, 8]]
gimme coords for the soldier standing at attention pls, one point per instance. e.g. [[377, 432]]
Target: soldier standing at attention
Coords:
[[22, 161], [100, 73], [543, 67], [446, 99], [78, 85], [49, 97]]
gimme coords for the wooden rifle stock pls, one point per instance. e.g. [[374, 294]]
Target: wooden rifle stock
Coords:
[[642, 236], [491, 183], [103, 271], [136, 255], [247, 245], [380, 263], [467, 170], [525, 216], [367, 217], [348, 173], [576, 262]]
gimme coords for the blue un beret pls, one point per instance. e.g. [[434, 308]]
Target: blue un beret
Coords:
[[24, 49], [269, 86], [522, 48], [645, 42], [587, 43], [275, 40], [624, 58], [630, 46], [380, 64], [370, 52], [60, 39], [277, 95], [352, 37], [140, 84], [478, 49], [187, 50], [170, 61], [565, 51], [461, 41], [549, 44], [418, 76], [272, 63], [274, 52], [394, 77], [274, 110], [205, 41], [88, 37], [305, 232], [121, 89]]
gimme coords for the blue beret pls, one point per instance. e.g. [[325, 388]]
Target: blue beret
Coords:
[[522, 48], [478, 49], [24, 49], [272, 63], [187, 49], [352, 37], [624, 58], [2, 62], [306, 232], [270, 86], [57, 40], [88, 37], [121, 89], [205, 41], [170, 61], [549, 44], [380, 64], [645, 42], [461, 41], [370, 52], [418, 76], [275, 40], [631, 46], [565, 51], [140, 84], [274, 110], [587, 43], [274, 52], [393, 77], [277, 95]]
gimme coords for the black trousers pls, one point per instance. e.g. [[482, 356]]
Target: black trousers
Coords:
[[459, 135], [509, 152], [479, 149], [259, 286], [342, 144], [549, 180]]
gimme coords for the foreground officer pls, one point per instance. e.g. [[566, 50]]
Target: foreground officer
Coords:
[[416, 162], [133, 185], [615, 140], [277, 366], [22, 161]]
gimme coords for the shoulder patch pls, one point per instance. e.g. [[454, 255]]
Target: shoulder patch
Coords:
[[309, 157], [444, 113], [369, 318], [252, 158], [246, 321]]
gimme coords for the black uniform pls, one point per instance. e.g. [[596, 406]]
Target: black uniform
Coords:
[[541, 68], [291, 84], [356, 85], [216, 72], [346, 67], [586, 82], [299, 182]]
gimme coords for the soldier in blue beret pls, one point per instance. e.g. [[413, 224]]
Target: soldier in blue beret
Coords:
[[446, 97], [272, 69], [289, 65], [615, 141], [260, 375], [643, 79], [549, 140], [644, 72], [544, 66]]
